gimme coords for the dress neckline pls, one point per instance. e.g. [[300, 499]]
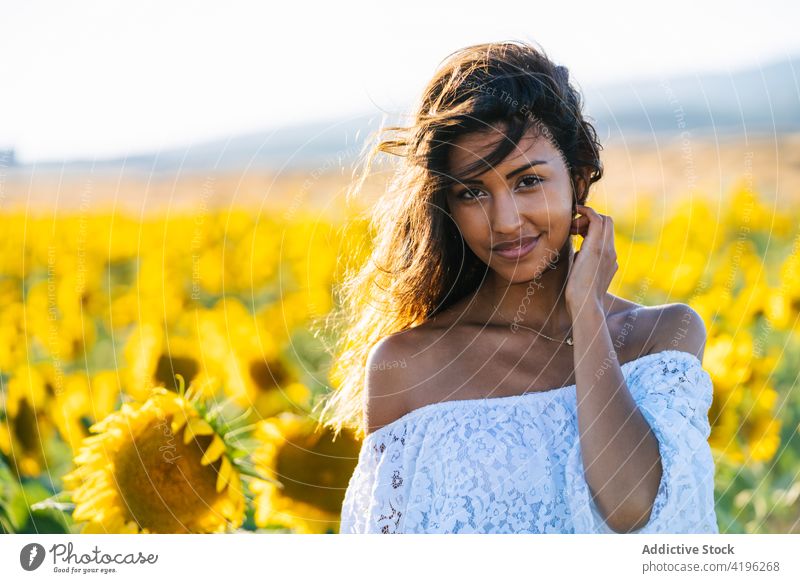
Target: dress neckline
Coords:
[[452, 403]]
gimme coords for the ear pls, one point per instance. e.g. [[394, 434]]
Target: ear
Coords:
[[579, 183]]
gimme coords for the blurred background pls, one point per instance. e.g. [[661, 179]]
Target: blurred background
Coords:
[[174, 219]]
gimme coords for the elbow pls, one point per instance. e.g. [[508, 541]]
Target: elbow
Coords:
[[628, 517], [636, 515], [631, 522]]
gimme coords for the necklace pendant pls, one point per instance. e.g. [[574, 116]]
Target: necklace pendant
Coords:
[[569, 340]]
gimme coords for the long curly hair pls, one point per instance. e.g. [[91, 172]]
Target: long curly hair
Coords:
[[419, 264]]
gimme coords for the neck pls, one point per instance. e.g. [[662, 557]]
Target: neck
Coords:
[[539, 304]]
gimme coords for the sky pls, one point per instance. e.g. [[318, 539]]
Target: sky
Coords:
[[105, 79]]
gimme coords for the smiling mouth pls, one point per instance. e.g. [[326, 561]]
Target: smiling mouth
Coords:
[[526, 246]]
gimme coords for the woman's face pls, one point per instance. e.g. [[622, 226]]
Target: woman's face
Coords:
[[528, 195]]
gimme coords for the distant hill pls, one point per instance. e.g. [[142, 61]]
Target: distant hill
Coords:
[[759, 100]]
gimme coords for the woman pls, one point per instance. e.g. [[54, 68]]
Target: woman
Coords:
[[474, 305]]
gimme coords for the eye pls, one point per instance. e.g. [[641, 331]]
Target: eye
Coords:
[[463, 195], [469, 194], [533, 177]]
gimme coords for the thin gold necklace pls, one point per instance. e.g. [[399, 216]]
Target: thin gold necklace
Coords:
[[567, 341]]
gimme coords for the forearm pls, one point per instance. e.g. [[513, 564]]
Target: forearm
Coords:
[[620, 453]]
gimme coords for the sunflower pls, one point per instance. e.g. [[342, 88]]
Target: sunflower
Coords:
[[294, 309], [155, 358], [160, 281], [255, 372], [312, 469], [26, 428], [82, 400], [162, 466], [763, 438], [265, 382], [255, 261], [64, 334], [13, 347]]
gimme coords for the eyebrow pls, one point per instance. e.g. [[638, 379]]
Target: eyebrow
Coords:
[[510, 174]]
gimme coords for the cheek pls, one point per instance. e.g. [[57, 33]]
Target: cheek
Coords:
[[472, 225], [470, 221], [552, 209]]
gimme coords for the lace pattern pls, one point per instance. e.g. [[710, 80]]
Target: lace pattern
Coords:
[[513, 464]]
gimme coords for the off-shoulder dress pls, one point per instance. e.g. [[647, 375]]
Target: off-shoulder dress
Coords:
[[513, 464]]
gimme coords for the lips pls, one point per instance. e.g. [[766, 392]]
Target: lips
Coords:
[[517, 249], [514, 244]]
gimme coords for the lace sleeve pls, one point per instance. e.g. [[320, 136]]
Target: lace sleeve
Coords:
[[674, 394], [375, 498]]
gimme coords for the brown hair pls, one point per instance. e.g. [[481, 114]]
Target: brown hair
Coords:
[[418, 265]]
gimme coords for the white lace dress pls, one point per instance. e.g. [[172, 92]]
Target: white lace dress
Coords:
[[513, 464]]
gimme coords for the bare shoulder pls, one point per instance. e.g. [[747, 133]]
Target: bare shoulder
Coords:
[[631, 326], [387, 379], [679, 327]]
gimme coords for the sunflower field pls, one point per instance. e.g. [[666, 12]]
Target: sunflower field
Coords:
[[159, 374]]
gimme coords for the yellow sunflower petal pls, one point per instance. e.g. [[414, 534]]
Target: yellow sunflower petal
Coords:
[[178, 421], [196, 426], [87, 456], [216, 449], [224, 474]]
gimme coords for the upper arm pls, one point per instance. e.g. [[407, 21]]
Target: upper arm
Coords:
[[386, 382], [680, 327]]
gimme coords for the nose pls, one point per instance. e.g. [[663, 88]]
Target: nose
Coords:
[[505, 214]]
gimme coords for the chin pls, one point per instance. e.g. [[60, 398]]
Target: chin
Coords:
[[524, 269], [518, 276]]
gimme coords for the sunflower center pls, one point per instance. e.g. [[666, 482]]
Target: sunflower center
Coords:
[[167, 368], [25, 427], [268, 376], [315, 470], [161, 480]]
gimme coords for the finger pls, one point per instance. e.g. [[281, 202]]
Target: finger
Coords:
[[608, 230], [595, 222], [579, 228], [588, 214], [592, 215], [579, 224], [582, 219]]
